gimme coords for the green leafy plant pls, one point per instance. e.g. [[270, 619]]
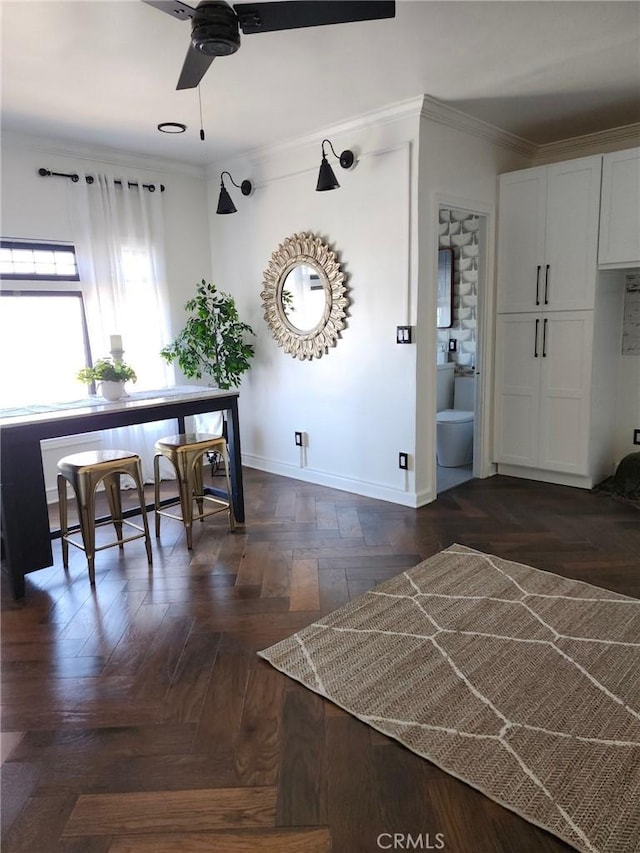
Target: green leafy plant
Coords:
[[213, 339], [286, 298], [106, 370]]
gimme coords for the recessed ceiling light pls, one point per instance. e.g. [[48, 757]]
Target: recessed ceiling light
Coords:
[[172, 127]]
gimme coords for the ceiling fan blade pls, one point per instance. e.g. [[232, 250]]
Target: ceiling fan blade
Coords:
[[175, 8], [295, 14], [194, 68]]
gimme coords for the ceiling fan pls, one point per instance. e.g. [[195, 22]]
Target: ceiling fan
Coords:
[[215, 24]]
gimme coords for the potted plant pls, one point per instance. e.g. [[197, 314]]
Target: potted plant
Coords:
[[110, 375], [213, 339]]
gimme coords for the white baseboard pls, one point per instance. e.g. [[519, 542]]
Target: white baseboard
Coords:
[[578, 481], [322, 478], [426, 496]]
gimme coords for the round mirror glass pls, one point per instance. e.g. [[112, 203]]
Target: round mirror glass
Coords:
[[303, 298]]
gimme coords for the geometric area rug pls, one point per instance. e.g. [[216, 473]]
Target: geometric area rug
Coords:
[[523, 684]]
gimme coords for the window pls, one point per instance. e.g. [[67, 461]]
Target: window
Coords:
[[33, 261], [43, 331]]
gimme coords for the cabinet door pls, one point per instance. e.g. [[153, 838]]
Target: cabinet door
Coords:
[[620, 220], [571, 234], [565, 391], [521, 239], [518, 361]]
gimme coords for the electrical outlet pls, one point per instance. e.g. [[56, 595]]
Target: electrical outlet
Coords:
[[298, 436], [403, 461], [636, 436]]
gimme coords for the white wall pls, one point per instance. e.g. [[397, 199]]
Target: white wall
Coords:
[[360, 404], [33, 207], [357, 402]]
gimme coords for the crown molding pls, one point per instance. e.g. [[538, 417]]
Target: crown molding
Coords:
[[435, 110], [401, 110], [617, 138], [50, 147], [422, 106]]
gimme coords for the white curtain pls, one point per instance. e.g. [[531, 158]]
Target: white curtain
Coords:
[[119, 237]]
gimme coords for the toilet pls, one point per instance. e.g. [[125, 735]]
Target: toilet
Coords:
[[454, 427]]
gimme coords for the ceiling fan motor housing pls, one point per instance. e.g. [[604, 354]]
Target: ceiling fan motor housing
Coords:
[[214, 30]]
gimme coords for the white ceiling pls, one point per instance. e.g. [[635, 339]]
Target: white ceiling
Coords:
[[104, 72]]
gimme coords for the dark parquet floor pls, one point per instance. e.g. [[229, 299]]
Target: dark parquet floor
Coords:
[[138, 718]]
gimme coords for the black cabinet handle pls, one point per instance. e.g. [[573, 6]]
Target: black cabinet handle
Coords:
[[546, 285], [544, 339], [535, 347], [538, 285]]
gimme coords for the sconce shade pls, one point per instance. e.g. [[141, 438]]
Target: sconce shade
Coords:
[[225, 205], [326, 177]]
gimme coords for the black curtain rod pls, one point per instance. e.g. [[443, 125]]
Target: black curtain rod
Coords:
[[46, 173]]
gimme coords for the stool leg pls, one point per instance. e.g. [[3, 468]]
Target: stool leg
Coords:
[[156, 491], [225, 460], [145, 523], [85, 495], [64, 526], [114, 499], [185, 483], [198, 486]]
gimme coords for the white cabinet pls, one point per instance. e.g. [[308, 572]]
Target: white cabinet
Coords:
[[620, 219], [521, 238], [548, 237], [557, 333], [543, 382]]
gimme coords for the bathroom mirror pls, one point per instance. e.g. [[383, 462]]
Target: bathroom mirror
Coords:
[[304, 296], [445, 288]]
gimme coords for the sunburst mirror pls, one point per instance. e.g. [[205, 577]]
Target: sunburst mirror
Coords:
[[304, 296]]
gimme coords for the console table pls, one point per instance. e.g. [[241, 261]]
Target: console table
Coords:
[[25, 517]]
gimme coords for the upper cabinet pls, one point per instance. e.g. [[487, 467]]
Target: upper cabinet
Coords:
[[548, 237], [620, 218]]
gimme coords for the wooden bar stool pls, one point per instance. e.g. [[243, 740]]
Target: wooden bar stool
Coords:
[[85, 471], [185, 453]]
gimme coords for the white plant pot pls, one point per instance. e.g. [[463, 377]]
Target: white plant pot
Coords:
[[112, 390]]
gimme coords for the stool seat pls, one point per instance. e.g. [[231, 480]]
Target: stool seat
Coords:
[[189, 440], [79, 461], [84, 472], [185, 452]]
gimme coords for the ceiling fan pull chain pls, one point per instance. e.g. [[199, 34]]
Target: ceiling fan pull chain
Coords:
[[201, 123]]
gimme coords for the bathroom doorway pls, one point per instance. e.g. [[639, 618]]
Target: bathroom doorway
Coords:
[[461, 239]]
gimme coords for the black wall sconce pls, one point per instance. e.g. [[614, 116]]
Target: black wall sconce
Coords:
[[225, 204], [326, 176]]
